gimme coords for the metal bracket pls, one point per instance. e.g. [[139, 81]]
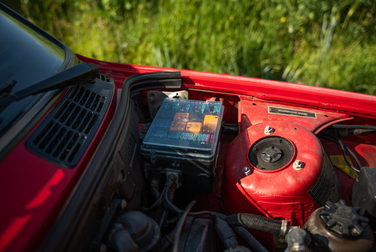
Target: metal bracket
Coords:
[[177, 173], [155, 99]]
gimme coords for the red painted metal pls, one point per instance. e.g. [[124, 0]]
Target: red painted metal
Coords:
[[252, 112], [34, 191], [281, 193], [337, 100]]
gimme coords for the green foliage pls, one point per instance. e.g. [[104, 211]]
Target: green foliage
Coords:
[[324, 43]]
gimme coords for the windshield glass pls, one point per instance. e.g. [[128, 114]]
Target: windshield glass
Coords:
[[27, 57]]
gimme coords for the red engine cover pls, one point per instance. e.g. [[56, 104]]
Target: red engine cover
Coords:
[[281, 193]]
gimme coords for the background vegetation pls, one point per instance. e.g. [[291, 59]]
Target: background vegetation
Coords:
[[326, 43]]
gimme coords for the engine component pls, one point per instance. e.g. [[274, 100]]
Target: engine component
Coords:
[[255, 244], [134, 231], [197, 235], [338, 227], [226, 234], [298, 240], [364, 194], [276, 227], [184, 136], [343, 220], [275, 187], [271, 153]]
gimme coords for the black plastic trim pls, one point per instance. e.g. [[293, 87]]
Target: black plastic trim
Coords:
[[95, 174], [64, 135]]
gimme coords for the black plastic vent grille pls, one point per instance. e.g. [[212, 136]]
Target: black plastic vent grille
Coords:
[[63, 137], [103, 77]]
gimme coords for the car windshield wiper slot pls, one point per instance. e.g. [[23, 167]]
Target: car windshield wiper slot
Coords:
[[73, 76]]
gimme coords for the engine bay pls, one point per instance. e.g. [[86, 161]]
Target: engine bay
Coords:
[[190, 167], [228, 163]]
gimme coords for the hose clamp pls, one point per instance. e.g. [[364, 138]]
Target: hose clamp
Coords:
[[284, 228]]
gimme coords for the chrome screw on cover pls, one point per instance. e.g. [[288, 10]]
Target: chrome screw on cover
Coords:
[[268, 130], [246, 171], [298, 165]]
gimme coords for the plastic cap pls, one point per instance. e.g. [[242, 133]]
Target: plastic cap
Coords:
[[343, 220]]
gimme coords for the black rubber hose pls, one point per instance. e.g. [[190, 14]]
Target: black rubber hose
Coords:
[[250, 239], [241, 230], [157, 203], [255, 244], [170, 185], [255, 221], [165, 211], [180, 225], [171, 206], [154, 189]]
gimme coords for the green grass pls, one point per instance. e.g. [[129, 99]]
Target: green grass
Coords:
[[322, 43]]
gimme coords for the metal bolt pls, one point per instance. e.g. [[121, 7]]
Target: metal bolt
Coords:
[[246, 171], [123, 204], [152, 98], [271, 154], [268, 130], [144, 130], [298, 165]]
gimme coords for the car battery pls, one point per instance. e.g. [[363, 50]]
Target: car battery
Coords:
[[184, 137]]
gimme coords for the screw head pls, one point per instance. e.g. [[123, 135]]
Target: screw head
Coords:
[[152, 98], [271, 154], [246, 171], [298, 165], [268, 130]]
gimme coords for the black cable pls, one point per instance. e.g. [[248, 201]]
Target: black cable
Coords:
[[345, 157], [154, 185], [163, 218], [165, 211], [180, 225], [342, 126], [163, 196], [212, 215], [255, 244], [344, 147], [168, 204], [156, 204]]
